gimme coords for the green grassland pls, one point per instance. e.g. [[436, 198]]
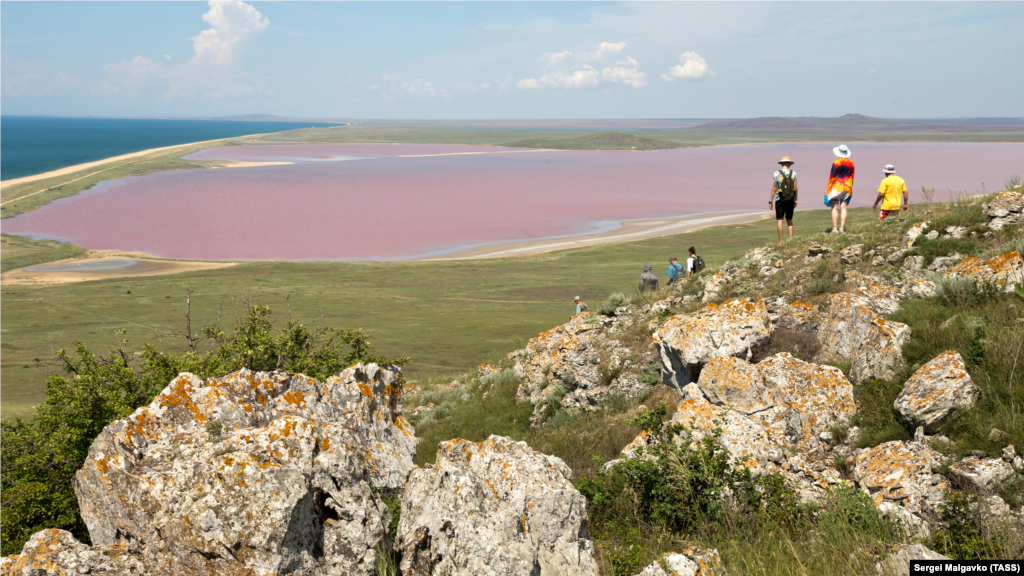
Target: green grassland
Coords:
[[20, 252], [447, 315]]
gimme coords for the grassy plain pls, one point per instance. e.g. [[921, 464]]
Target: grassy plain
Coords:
[[19, 252], [447, 315]]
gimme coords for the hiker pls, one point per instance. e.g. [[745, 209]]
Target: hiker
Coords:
[[580, 305], [694, 263], [839, 190], [673, 271], [648, 281], [783, 196], [890, 191]]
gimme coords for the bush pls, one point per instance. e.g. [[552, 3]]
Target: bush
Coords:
[[41, 456], [615, 300], [963, 291], [961, 536], [801, 344]]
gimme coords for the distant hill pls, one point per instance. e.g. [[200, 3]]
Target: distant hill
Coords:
[[603, 141], [848, 122]]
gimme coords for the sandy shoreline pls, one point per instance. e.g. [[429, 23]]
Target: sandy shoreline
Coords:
[[145, 265], [631, 230], [87, 165]]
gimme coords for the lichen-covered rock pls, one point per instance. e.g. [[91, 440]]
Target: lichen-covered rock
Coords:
[[880, 354], [694, 562], [913, 263], [943, 263], [1006, 208], [894, 559], [1002, 271], [765, 410], [269, 473], [493, 508], [915, 231], [688, 341], [917, 289], [57, 553], [852, 254], [581, 364], [853, 331], [798, 316], [901, 473], [915, 529], [981, 475], [935, 390], [713, 286], [881, 298], [817, 250]]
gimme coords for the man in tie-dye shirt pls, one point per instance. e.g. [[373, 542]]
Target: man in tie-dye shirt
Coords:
[[840, 187]]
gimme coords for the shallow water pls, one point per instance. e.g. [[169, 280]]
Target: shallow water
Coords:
[[83, 266], [394, 201]]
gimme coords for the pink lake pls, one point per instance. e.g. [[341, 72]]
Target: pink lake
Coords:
[[398, 201]]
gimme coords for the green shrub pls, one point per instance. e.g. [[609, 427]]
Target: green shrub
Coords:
[[964, 290], [41, 456], [960, 536], [615, 300]]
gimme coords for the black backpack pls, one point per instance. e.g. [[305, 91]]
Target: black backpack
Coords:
[[698, 264], [787, 188]]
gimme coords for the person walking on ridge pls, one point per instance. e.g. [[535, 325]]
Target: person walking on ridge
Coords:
[[890, 191], [648, 281], [694, 263], [673, 271], [580, 305], [839, 190], [784, 195]]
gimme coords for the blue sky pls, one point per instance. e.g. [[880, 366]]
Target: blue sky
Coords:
[[436, 60]]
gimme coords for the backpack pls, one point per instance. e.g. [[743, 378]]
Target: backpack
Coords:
[[787, 188], [698, 264]]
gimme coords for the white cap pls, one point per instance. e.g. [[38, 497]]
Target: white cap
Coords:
[[576, 298]]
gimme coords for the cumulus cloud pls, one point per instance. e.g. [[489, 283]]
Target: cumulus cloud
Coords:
[[212, 70], [692, 66], [419, 87], [601, 66]]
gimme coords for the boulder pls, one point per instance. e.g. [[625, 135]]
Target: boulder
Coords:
[[57, 553], [937, 389], [901, 473], [981, 475], [914, 528], [817, 250], [1002, 271], [956, 231], [798, 316], [943, 263], [580, 365], [255, 472], [853, 331], [1005, 209], [881, 298], [913, 263], [493, 508], [694, 562], [916, 289], [880, 354], [915, 231], [932, 235], [735, 383], [852, 254], [714, 285], [688, 341], [894, 559]]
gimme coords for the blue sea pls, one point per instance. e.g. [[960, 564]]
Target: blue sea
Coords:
[[36, 144]]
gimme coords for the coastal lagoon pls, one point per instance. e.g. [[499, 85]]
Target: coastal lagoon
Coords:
[[403, 201]]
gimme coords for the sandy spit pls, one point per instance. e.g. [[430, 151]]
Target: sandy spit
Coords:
[[145, 265]]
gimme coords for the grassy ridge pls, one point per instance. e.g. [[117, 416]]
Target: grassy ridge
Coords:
[[20, 252], [447, 315]]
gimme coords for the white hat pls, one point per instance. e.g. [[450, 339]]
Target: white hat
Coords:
[[576, 298], [842, 151], [889, 169]]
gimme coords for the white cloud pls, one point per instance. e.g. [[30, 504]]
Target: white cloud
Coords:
[[587, 70], [167, 57], [419, 87], [35, 85], [692, 67], [212, 70]]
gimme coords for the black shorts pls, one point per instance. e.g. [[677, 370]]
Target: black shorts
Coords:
[[784, 209]]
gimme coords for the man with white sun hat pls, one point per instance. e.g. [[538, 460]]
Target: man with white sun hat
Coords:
[[839, 190], [890, 192]]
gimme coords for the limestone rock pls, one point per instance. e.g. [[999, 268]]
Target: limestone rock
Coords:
[[913, 263], [852, 254], [1006, 208], [981, 475], [694, 562], [493, 508], [564, 365], [956, 231], [853, 331], [57, 553], [901, 473], [687, 342], [915, 231], [713, 286], [817, 250], [798, 316], [1003, 271], [916, 289], [735, 383], [915, 529], [943, 263], [935, 390], [255, 472], [894, 559], [881, 298]]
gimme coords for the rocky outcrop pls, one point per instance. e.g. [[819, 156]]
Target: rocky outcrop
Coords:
[[694, 562], [714, 285], [581, 364], [493, 508], [1005, 209], [796, 316], [765, 411], [901, 473], [935, 391], [252, 473], [853, 331], [57, 553], [852, 254], [1002, 271], [881, 298], [981, 475], [894, 559], [688, 341], [915, 231]]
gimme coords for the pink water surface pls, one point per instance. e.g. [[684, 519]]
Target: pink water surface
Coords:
[[379, 201]]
